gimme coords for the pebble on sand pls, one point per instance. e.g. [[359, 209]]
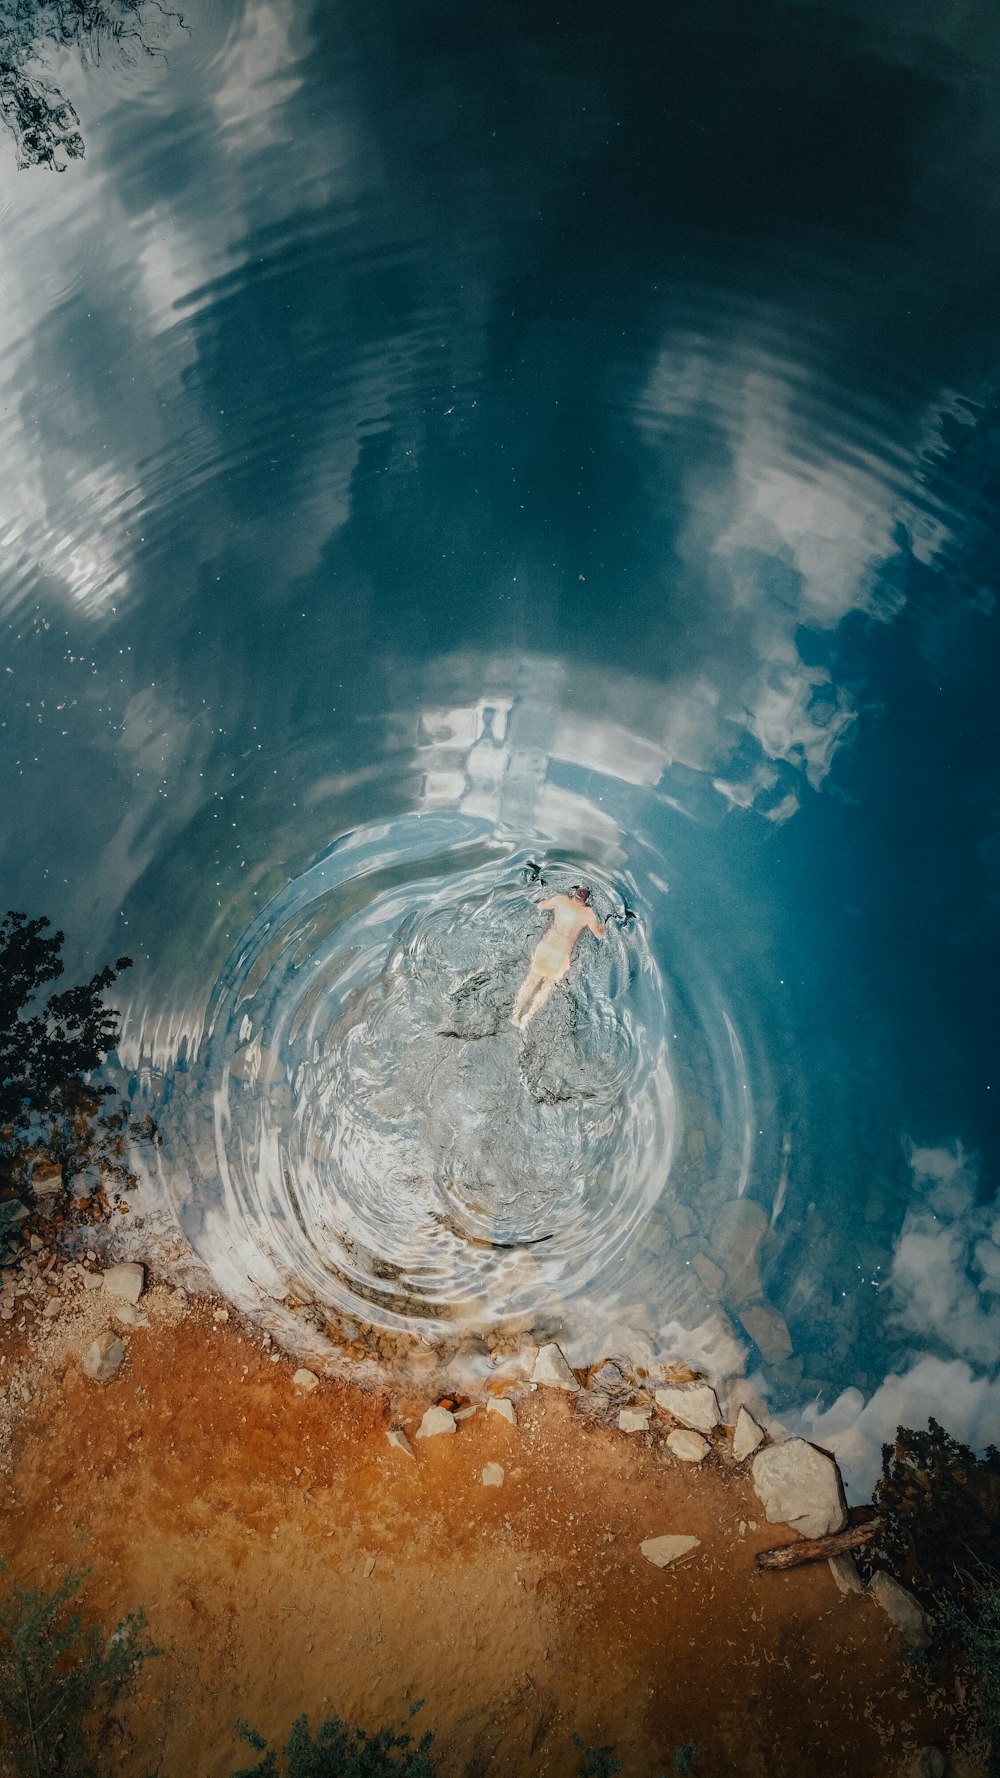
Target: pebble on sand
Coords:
[[435, 1421], [499, 1404], [397, 1438], [663, 1551], [551, 1368], [688, 1446], [493, 1475], [127, 1281], [104, 1358], [305, 1380]]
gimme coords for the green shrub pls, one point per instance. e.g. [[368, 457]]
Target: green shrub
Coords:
[[339, 1752], [60, 1678]]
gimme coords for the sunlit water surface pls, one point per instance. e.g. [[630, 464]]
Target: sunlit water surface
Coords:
[[451, 456]]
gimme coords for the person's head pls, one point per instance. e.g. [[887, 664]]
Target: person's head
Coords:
[[580, 893]]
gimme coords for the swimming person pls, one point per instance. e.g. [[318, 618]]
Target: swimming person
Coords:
[[570, 915]]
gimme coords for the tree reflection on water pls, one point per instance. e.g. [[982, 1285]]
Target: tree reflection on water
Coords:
[[42, 121]]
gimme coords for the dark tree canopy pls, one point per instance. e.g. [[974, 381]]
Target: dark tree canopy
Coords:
[[44, 1052], [939, 1515], [43, 123]]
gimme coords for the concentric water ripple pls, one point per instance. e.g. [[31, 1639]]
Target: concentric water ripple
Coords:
[[393, 1154]]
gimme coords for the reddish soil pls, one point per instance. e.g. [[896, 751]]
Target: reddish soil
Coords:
[[289, 1560]]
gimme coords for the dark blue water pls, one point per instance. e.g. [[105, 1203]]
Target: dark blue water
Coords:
[[444, 443]]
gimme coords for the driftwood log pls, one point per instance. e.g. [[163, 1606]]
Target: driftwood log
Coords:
[[817, 1549]]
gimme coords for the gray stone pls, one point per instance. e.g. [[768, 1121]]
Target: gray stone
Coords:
[[499, 1404], [899, 1605], [768, 1330], [663, 1551], [127, 1281], [465, 1413], [305, 1380], [46, 1179], [712, 1276], [927, 1762], [493, 1475], [129, 1315], [104, 1358], [800, 1486], [399, 1441], [689, 1446], [634, 1419], [845, 1572], [739, 1230], [436, 1421], [93, 1281], [693, 1404], [551, 1368], [747, 1436]]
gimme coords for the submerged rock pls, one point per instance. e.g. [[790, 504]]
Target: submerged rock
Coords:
[[306, 1381], [768, 1330], [552, 1369], [493, 1475], [104, 1358], [397, 1438], [799, 1485], [693, 1404], [663, 1551]]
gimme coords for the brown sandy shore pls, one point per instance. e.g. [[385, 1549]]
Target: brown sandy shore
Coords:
[[288, 1559]]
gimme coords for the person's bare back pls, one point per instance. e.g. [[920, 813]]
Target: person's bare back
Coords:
[[571, 915]]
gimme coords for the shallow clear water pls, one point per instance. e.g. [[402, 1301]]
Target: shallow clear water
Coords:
[[441, 448]]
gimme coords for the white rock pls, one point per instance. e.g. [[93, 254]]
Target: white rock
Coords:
[[551, 1368], [129, 1315], [693, 1404], [435, 1421], [93, 1281], [126, 1281], [906, 1613], [465, 1413], [689, 1446], [305, 1380], [52, 1308], [662, 1551], [493, 1475], [399, 1441], [634, 1419], [747, 1436], [845, 1572], [800, 1486], [499, 1404], [104, 1358]]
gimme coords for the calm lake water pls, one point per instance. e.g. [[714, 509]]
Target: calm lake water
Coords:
[[451, 448]]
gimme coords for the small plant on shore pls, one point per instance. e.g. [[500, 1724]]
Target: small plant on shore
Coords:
[[977, 1632], [335, 1751], [49, 1110], [597, 1762], [60, 1679]]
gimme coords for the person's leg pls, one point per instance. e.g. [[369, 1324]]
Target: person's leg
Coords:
[[524, 994], [541, 997]]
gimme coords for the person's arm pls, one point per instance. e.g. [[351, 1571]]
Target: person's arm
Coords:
[[547, 906], [595, 925]]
